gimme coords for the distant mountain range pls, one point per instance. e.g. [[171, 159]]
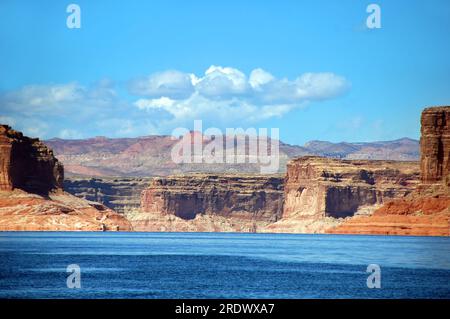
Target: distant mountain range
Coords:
[[151, 155]]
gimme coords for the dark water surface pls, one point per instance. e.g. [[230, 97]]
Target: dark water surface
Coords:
[[220, 265]]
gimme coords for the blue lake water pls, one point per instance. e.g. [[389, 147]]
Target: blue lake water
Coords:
[[221, 265]]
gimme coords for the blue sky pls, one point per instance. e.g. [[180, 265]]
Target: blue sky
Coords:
[[310, 68]]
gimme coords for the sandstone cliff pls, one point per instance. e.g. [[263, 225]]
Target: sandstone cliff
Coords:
[[320, 192], [27, 164], [418, 216], [206, 202], [31, 193], [122, 194], [315, 195], [426, 211], [435, 145]]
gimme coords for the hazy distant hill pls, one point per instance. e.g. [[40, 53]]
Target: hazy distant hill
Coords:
[[151, 155]]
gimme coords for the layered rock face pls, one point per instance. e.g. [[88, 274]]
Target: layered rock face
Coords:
[[426, 211], [320, 191], [31, 193], [417, 216], [334, 188], [122, 194], [201, 202], [26, 163], [435, 145]]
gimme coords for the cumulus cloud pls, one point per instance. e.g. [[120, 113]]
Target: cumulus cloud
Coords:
[[225, 93], [220, 83], [173, 84], [259, 77], [61, 110], [156, 104]]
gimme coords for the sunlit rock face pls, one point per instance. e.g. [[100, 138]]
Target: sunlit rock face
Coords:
[[435, 145], [210, 202], [426, 211], [26, 163], [32, 196], [326, 187]]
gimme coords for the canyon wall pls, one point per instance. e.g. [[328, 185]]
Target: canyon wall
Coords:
[[122, 194], [426, 211], [31, 191], [210, 202], [339, 188], [316, 194], [26, 163], [320, 192]]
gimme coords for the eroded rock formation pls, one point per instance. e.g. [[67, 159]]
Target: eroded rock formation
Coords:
[[426, 211], [435, 145], [31, 192], [122, 194], [202, 202], [21, 211], [26, 163], [320, 191], [418, 216]]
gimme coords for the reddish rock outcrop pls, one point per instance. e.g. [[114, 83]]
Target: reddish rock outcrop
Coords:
[[426, 211], [26, 163], [435, 145], [320, 192], [21, 211], [418, 216], [202, 202], [31, 192]]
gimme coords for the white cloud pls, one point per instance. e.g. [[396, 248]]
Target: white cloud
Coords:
[[61, 110], [259, 77], [222, 97], [42, 96], [220, 82], [173, 84], [161, 103], [225, 94]]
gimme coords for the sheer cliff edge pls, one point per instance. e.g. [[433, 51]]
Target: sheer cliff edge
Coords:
[[32, 195]]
